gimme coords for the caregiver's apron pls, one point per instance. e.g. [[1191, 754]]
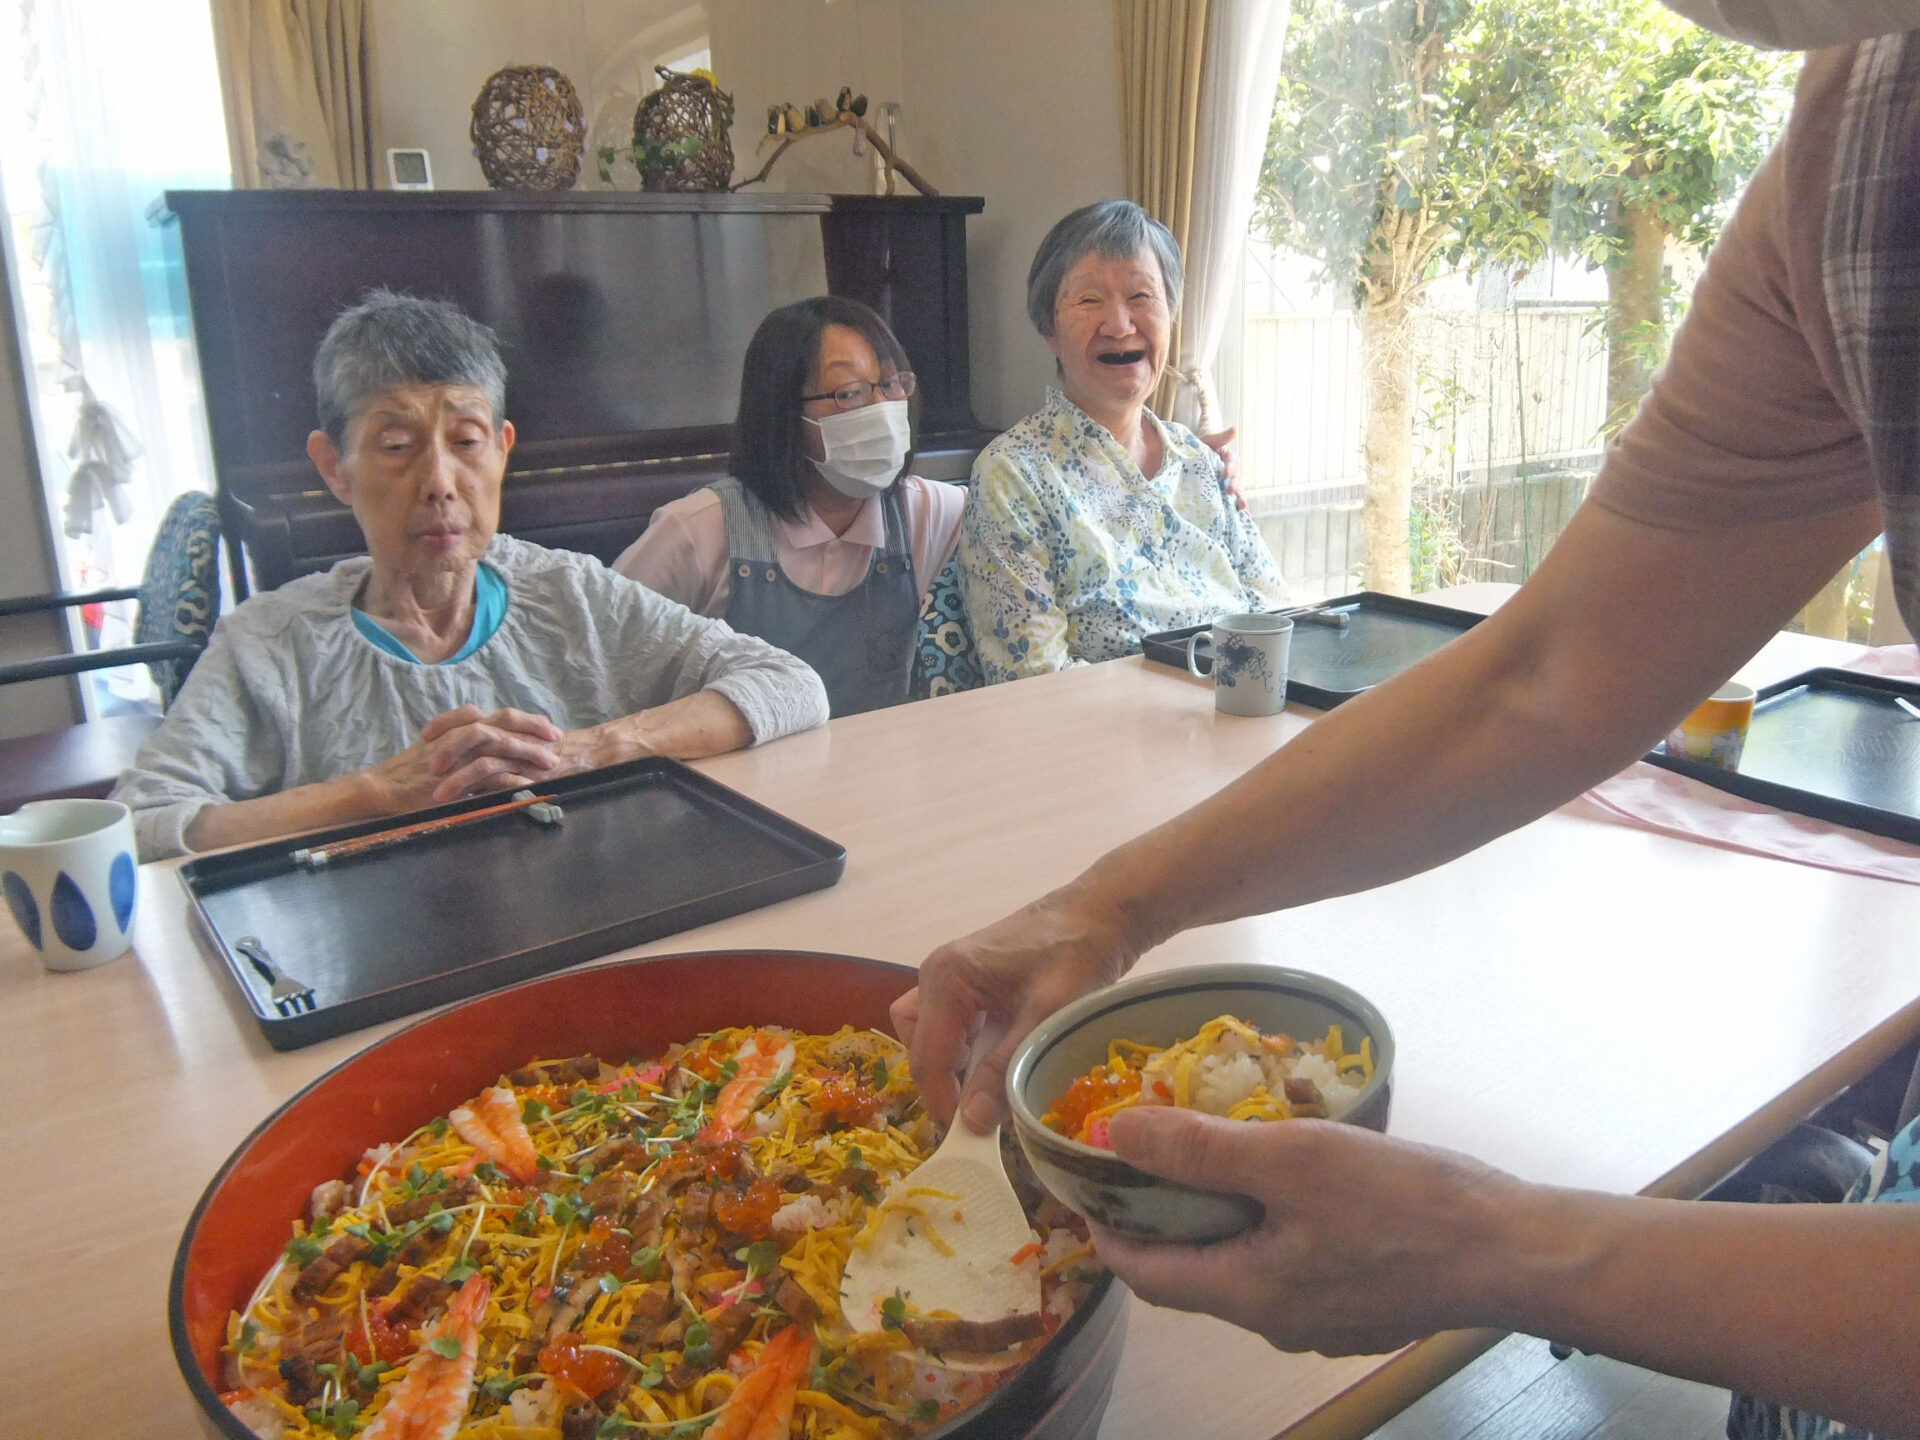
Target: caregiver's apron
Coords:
[[861, 643]]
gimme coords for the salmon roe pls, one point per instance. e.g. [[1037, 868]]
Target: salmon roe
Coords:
[[847, 1101], [378, 1340], [606, 1250], [725, 1160], [749, 1212], [1086, 1095], [586, 1371]]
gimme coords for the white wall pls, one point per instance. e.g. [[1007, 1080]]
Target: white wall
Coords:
[[768, 52], [1011, 100], [1019, 103], [430, 58]]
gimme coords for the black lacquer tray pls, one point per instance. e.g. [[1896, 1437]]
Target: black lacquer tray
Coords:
[[1832, 744], [1384, 635], [645, 849]]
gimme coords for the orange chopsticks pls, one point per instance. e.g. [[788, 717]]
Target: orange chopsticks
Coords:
[[314, 859]]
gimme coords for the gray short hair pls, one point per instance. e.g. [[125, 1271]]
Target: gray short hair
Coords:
[[1113, 229], [390, 341]]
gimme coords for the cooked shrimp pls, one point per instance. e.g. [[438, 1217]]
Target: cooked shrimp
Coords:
[[431, 1400], [493, 1127], [761, 1406], [760, 1064]]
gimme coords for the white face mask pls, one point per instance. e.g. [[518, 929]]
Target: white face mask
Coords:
[[1800, 24], [865, 448]]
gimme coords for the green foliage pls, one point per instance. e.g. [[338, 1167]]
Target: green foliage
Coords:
[[1686, 115], [1413, 136], [1438, 554], [1408, 133], [646, 153]]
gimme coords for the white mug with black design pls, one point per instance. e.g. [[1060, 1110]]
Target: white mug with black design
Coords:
[[1249, 662]]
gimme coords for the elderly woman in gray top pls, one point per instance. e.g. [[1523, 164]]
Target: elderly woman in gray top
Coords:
[[1094, 522], [450, 660]]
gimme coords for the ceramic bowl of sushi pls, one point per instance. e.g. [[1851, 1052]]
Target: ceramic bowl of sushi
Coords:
[[1161, 1009], [628, 1007]]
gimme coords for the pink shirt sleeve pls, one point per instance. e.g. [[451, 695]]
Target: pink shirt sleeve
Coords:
[[935, 510], [682, 554]]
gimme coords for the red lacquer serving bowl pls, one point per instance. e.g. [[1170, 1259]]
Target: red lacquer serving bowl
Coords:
[[617, 1011]]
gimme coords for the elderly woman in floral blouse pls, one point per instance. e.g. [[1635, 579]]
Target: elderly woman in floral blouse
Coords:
[[1095, 522]]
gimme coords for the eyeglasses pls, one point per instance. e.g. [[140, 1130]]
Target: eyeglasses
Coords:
[[856, 393]]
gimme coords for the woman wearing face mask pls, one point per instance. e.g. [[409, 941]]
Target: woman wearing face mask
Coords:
[[819, 541]]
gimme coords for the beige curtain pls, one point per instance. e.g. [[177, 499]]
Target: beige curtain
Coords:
[[1198, 77], [1162, 53], [295, 79]]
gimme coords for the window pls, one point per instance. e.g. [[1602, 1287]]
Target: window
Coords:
[[1477, 224], [108, 103]]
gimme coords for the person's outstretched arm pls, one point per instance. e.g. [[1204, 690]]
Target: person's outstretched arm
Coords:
[[1624, 628]]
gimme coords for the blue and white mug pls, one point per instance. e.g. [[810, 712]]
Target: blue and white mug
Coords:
[[68, 875], [1250, 655]]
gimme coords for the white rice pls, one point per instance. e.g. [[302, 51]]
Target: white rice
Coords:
[[535, 1407], [1334, 1089], [945, 1385], [258, 1416], [1060, 1244], [1222, 1081], [808, 1212]]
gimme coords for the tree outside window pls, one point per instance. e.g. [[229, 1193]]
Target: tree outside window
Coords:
[[1418, 145]]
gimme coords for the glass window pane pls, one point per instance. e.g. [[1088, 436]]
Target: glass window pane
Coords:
[[1478, 222]]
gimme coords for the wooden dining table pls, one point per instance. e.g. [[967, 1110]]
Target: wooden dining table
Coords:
[[1578, 1002]]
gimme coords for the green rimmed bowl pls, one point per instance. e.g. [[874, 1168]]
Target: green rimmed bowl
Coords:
[[1160, 1010]]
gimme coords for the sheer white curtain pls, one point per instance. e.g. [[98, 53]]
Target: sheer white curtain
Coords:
[[110, 102], [1240, 74]]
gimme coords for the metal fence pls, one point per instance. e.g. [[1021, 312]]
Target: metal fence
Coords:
[[1511, 404], [1317, 538]]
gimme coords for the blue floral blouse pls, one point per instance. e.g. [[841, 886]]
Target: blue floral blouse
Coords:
[[1070, 555]]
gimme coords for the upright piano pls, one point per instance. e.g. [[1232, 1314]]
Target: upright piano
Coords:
[[623, 319]]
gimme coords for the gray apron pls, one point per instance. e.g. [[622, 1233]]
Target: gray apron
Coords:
[[862, 643]]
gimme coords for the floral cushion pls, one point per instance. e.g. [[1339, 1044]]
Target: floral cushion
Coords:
[[945, 662], [180, 592]]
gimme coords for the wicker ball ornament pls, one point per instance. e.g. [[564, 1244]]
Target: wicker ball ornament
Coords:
[[528, 129], [680, 139]]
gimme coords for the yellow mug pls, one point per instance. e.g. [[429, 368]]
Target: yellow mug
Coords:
[[1716, 732]]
